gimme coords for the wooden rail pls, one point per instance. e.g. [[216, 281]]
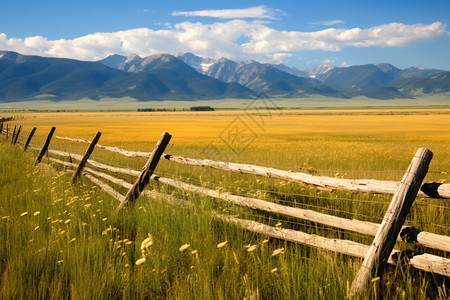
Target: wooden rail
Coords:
[[371, 186], [421, 261]]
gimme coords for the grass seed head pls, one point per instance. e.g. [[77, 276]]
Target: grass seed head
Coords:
[[252, 248], [278, 251]]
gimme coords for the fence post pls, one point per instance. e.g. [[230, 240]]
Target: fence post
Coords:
[[44, 149], [1, 128], [384, 241], [14, 135], [29, 138], [17, 135], [148, 170], [86, 156]]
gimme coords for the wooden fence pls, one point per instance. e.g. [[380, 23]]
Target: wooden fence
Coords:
[[386, 234]]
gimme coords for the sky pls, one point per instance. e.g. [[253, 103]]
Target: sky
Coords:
[[302, 34]]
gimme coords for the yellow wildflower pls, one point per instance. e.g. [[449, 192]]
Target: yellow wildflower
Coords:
[[184, 247], [37, 213], [140, 261], [220, 245]]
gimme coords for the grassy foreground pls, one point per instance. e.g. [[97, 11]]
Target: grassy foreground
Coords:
[[59, 240]]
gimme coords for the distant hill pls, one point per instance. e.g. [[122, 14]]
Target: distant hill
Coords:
[[358, 77], [160, 77]]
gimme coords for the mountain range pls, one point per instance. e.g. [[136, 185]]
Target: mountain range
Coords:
[[190, 77]]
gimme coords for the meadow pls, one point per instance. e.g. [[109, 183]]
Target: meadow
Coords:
[[60, 240]]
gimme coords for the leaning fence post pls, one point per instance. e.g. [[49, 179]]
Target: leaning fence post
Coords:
[[44, 149], [14, 135], [29, 138], [148, 170], [17, 135], [86, 156], [384, 241]]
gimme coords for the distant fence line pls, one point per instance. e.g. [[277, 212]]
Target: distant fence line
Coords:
[[423, 261]]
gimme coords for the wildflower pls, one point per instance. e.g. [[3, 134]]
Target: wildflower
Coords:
[[147, 242], [273, 270], [277, 251], [184, 247], [278, 224], [5, 218], [24, 214], [36, 228], [72, 240], [37, 213], [60, 261], [130, 242], [140, 261], [67, 221], [127, 265], [252, 248], [265, 241], [194, 252], [220, 245], [104, 219]]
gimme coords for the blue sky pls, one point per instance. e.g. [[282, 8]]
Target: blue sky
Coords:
[[303, 34]]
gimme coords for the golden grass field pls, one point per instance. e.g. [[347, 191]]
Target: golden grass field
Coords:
[[334, 140]]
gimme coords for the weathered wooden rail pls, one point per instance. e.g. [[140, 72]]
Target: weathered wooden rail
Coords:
[[371, 186]]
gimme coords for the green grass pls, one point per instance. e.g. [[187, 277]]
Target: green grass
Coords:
[[310, 102], [75, 247]]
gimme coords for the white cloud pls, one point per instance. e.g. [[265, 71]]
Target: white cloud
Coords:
[[258, 12], [327, 23], [219, 39], [343, 64]]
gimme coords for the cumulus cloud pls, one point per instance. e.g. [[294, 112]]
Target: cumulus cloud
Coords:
[[235, 39], [259, 12]]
